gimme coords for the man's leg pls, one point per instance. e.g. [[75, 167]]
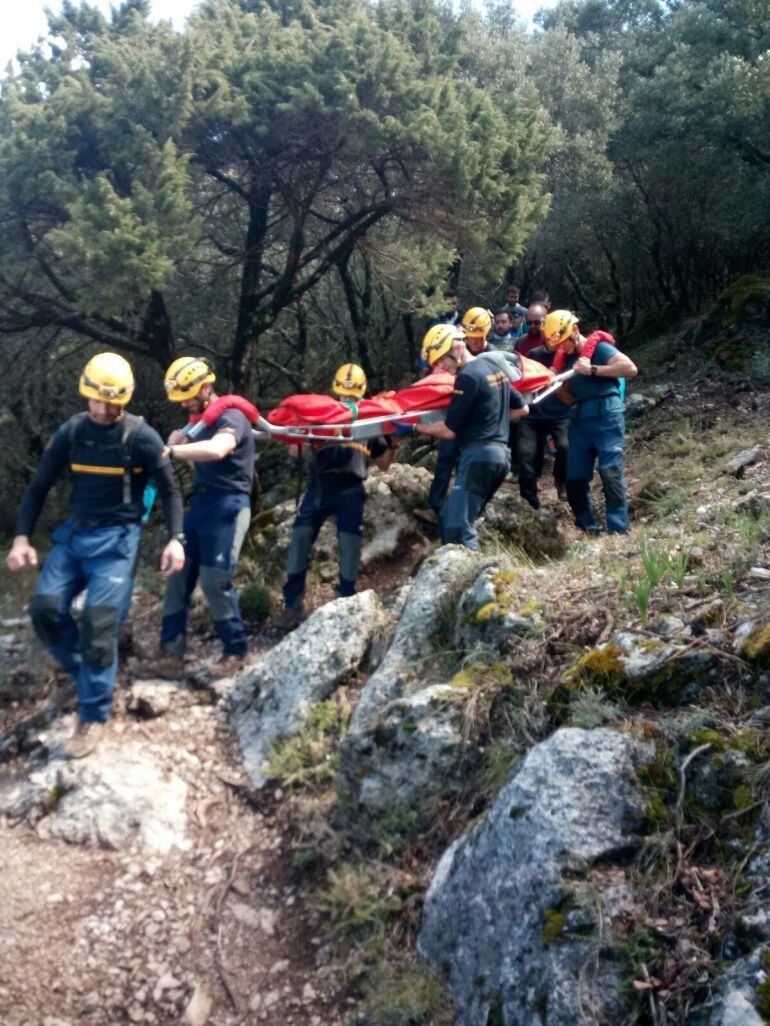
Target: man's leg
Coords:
[[559, 430], [229, 516], [349, 509], [481, 471], [447, 453], [610, 441], [61, 579], [309, 520], [108, 556], [527, 438], [179, 589], [580, 470]]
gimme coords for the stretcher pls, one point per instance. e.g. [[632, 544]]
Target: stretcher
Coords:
[[322, 418], [555, 385]]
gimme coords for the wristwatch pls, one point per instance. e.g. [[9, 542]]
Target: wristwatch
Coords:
[[594, 370], [181, 537]]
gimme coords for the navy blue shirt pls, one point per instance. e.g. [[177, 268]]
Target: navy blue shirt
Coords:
[[481, 403], [235, 473], [586, 388], [96, 464], [346, 463]]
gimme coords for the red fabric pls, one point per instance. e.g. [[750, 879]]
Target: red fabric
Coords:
[[588, 349], [306, 410], [433, 392], [527, 343], [215, 409], [534, 375]]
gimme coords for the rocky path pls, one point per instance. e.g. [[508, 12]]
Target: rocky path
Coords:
[[179, 906]]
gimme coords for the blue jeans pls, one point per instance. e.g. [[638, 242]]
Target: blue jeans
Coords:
[[599, 438], [447, 453], [101, 561], [480, 472], [326, 498], [215, 528]]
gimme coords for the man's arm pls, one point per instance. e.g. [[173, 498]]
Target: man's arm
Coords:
[[437, 429], [217, 448], [52, 462], [619, 366]]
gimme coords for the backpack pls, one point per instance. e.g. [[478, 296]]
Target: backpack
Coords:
[[131, 423]]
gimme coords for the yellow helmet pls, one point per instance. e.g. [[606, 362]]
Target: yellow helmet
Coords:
[[350, 380], [557, 327], [477, 321], [185, 377], [439, 341], [109, 378]]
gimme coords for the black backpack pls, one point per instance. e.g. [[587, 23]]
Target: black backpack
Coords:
[[131, 423]]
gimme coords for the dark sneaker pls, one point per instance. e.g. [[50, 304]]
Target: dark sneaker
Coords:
[[84, 740], [227, 666], [426, 516], [291, 617]]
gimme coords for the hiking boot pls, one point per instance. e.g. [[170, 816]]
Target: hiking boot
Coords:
[[426, 516], [227, 666], [291, 617], [84, 740], [561, 492]]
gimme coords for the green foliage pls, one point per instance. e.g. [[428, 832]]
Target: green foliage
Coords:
[[406, 994], [655, 563], [359, 901], [255, 602], [642, 591], [309, 758], [590, 708]]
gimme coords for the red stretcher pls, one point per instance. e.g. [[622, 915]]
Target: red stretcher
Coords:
[[319, 418]]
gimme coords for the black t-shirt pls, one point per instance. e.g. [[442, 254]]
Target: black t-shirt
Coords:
[[346, 463], [235, 473], [96, 464], [481, 402]]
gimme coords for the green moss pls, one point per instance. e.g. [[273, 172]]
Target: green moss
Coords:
[[463, 679], [599, 665], [554, 921], [742, 796], [486, 612], [756, 648]]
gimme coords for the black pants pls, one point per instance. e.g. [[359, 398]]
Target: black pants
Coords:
[[532, 438]]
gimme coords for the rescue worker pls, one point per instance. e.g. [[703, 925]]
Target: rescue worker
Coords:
[[217, 521], [549, 418], [596, 420], [476, 324], [111, 455], [336, 488], [477, 421]]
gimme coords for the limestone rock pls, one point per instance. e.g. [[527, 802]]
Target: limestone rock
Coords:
[[153, 698], [118, 797], [645, 669], [737, 465], [637, 404], [735, 994], [430, 601], [503, 907], [271, 698], [414, 751], [487, 613]]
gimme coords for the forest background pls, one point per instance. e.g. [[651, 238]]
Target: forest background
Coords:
[[286, 185]]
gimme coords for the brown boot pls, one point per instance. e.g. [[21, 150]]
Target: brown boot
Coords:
[[84, 740], [291, 617], [227, 666]]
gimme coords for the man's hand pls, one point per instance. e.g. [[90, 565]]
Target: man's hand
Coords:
[[176, 438], [172, 558], [22, 554], [582, 366]]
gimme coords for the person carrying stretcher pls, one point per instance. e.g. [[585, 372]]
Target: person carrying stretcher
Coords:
[[338, 471]]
